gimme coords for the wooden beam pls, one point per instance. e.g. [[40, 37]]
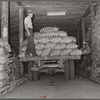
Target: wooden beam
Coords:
[[21, 27], [78, 37], [83, 31], [87, 12], [93, 12], [19, 3], [5, 20], [85, 15]]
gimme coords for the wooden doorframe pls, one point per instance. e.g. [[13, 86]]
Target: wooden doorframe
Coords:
[[5, 13]]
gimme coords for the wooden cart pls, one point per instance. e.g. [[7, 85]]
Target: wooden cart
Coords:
[[66, 65]]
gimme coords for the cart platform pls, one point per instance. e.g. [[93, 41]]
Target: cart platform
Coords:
[[25, 59], [66, 64]]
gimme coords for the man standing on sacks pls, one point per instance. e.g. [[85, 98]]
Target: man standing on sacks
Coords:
[[30, 49]]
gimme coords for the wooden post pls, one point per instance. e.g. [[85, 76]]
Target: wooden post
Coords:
[[5, 20], [78, 37], [21, 27], [83, 31], [93, 12], [30, 65]]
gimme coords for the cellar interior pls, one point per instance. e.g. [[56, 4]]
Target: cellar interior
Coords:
[[79, 20]]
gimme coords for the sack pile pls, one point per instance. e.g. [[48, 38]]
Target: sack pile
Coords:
[[52, 42], [4, 61]]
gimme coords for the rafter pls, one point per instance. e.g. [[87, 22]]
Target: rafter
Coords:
[[19, 3], [87, 12]]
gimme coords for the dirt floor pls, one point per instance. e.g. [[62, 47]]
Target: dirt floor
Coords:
[[56, 87]]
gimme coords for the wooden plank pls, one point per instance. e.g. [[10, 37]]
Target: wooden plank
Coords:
[[35, 75], [85, 15], [19, 3], [5, 20], [48, 58], [18, 81], [62, 2], [66, 70], [78, 37], [4, 88], [86, 12], [21, 27], [58, 3], [12, 85], [71, 69], [93, 12], [83, 30]]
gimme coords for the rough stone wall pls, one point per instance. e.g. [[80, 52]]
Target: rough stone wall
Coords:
[[95, 38], [85, 63]]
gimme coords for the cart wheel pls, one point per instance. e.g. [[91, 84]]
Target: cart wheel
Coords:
[[66, 72], [35, 75], [72, 70]]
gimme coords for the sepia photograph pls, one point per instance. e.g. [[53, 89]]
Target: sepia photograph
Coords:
[[50, 49]]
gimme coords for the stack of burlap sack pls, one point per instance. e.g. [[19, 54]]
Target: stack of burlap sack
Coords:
[[52, 42], [4, 61]]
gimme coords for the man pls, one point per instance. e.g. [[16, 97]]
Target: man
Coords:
[[30, 49]]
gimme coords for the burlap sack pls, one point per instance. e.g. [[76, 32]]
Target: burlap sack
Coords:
[[50, 45], [36, 40], [45, 52], [39, 46], [37, 35], [2, 67], [1, 43], [68, 39], [60, 46], [55, 53], [4, 82], [76, 52], [66, 52], [71, 46], [23, 49], [2, 52], [4, 43], [44, 40], [55, 39], [50, 34], [38, 52], [62, 33], [49, 29], [24, 43], [3, 59], [3, 75]]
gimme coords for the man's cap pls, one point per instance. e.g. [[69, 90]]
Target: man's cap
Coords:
[[29, 11]]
